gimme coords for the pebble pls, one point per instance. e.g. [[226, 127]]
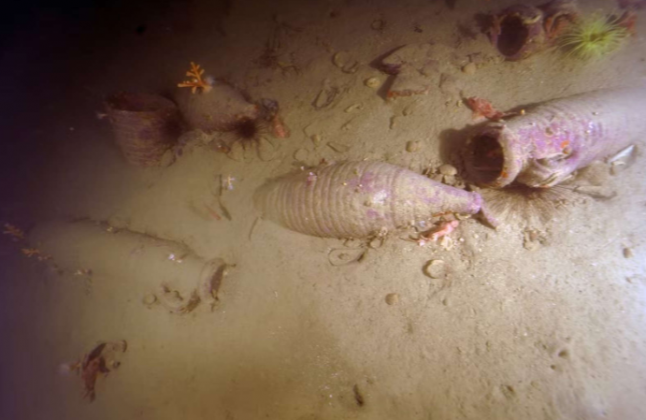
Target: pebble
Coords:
[[149, 299], [447, 169], [413, 146], [469, 68], [341, 58], [628, 253], [372, 82], [435, 269], [316, 139], [392, 298]]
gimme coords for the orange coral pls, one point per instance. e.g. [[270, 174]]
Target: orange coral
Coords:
[[196, 81], [13, 231], [30, 252]]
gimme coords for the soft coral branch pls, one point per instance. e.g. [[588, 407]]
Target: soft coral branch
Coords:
[[196, 81]]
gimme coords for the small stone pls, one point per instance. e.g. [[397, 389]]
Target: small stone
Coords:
[[628, 252], [149, 299], [469, 68], [392, 298], [413, 146], [372, 82], [316, 139], [447, 169], [435, 269]]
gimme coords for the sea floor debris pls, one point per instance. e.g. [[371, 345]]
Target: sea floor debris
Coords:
[[98, 362]]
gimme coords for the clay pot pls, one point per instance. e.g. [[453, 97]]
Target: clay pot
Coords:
[[521, 30], [144, 125], [544, 146], [219, 109], [517, 31]]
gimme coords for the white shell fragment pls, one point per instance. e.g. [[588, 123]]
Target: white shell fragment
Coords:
[[372, 82], [435, 269]]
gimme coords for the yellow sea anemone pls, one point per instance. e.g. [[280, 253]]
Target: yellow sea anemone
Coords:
[[593, 37]]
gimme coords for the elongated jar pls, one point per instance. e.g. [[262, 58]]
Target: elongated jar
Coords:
[[549, 142], [358, 199]]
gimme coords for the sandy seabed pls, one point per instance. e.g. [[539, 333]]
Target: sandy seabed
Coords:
[[543, 318]]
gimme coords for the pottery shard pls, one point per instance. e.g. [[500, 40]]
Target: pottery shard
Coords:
[[216, 110], [413, 64]]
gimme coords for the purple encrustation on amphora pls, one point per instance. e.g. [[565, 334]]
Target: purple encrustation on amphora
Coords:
[[546, 144]]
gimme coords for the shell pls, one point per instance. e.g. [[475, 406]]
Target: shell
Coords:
[[358, 200], [544, 146], [435, 269]]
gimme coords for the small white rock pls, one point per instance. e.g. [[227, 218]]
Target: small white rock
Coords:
[[447, 169], [435, 269], [316, 139], [470, 68], [372, 82], [392, 298]]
